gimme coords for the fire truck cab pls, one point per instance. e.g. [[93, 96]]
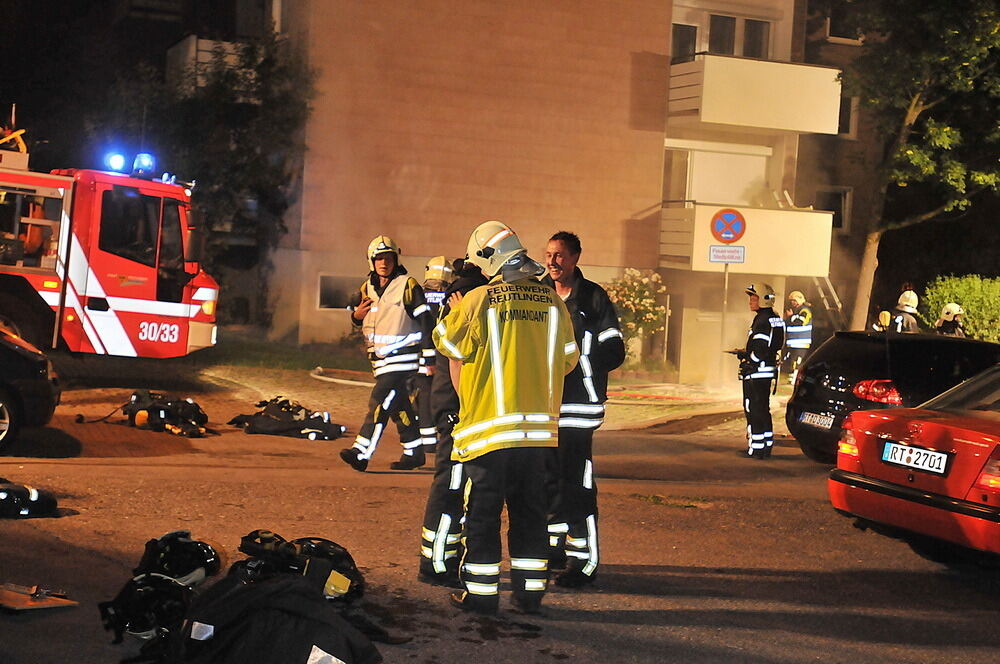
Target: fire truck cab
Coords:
[[102, 263]]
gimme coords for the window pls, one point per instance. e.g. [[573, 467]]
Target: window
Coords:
[[683, 42], [338, 292], [838, 201], [847, 126], [841, 25], [756, 36], [170, 277], [722, 35], [129, 224], [728, 35]]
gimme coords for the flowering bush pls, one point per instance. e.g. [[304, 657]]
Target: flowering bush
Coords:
[[635, 298]]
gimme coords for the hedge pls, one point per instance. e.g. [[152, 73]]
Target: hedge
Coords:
[[979, 296]]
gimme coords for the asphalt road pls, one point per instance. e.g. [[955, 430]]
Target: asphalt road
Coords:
[[706, 556]]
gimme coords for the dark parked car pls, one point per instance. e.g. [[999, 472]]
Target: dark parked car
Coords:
[[867, 370], [29, 387]]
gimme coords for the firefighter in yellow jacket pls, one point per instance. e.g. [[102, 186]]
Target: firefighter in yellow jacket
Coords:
[[510, 343]]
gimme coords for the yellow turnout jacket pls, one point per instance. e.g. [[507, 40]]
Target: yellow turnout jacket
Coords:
[[516, 343]]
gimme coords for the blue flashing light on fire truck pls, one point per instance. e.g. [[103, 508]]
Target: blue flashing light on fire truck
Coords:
[[102, 262]]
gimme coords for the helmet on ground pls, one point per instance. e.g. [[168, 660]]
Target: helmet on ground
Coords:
[[797, 296], [907, 302], [439, 268], [763, 291], [950, 310], [380, 245], [492, 245], [178, 556], [149, 606]]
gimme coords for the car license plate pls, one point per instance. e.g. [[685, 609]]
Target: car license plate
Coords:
[[915, 457], [817, 420]]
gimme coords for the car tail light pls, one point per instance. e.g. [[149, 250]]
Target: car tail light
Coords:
[[880, 391], [989, 479], [848, 445]]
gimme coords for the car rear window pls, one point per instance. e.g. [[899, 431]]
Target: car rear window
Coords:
[[980, 393], [926, 366]]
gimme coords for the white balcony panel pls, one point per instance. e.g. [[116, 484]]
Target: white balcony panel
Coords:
[[744, 93], [789, 242]]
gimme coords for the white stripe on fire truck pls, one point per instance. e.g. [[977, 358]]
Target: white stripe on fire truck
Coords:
[[106, 325], [205, 294]]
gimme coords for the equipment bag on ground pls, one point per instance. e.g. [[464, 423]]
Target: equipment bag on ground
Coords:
[[283, 417], [279, 620], [166, 412]]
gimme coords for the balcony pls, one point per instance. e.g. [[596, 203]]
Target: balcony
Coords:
[[727, 92], [778, 241]]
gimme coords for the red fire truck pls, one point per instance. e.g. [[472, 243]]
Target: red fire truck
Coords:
[[101, 262]]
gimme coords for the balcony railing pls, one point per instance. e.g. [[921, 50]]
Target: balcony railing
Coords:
[[761, 95]]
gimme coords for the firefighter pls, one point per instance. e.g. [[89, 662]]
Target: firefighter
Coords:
[[442, 529], [396, 322], [512, 344], [950, 322], [573, 515], [798, 332], [759, 367], [439, 273]]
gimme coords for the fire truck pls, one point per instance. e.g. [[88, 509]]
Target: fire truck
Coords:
[[102, 262]]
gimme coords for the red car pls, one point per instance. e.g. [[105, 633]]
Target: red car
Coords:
[[928, 475]]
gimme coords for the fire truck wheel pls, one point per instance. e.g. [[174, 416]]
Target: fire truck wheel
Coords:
[[20, 320], [10, 419]]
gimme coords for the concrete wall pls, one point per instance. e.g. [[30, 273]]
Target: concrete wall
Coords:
[[435, 116]]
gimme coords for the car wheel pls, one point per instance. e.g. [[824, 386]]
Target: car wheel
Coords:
[[818, 455], [10, 419]]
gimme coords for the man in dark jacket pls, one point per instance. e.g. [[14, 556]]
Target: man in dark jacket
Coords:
[[573, 518], [442, 529], [758, 367]]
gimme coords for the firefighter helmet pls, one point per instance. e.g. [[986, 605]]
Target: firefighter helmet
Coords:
[[763, 291], [493, 245], [950, 310], [796, 296], [178, 556], [380, 245], [907, 302], [439, 268]]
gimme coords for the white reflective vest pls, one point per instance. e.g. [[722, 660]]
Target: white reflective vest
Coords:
[[388, 327], [516, 343]]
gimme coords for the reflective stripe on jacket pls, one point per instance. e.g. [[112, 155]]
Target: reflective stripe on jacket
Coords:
[[602, 350], [798, 329], [390, 326], [515, 341], [764, 342]]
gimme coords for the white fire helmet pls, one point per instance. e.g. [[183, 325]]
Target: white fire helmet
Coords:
[[763, 291], [796, 296], [380, 245], [950, 310], [439, 268], [907, 302], [493, 245]]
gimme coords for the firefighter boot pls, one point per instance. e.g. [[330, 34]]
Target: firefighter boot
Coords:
[[352, 457], [574, 577], [409, 461], [475, 603]]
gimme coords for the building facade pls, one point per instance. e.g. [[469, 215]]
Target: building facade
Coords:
[[632, 124]]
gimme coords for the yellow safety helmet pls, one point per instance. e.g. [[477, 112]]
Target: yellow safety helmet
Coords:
[[439, 268], [907, 302], [763, 291], [380, 245], [491, 245], [797, 296]]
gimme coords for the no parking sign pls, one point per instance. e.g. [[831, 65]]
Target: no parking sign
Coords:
[[728, 225]]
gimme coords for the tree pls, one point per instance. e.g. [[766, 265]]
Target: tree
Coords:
[[929, 76]]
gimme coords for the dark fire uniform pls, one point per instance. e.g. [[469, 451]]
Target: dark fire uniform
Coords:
[[758, 367], [573, 511]]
